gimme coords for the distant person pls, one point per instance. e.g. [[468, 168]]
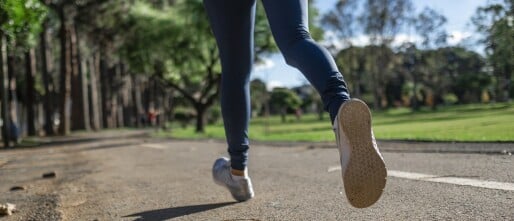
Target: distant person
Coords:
[[152, 116], [298, 113], [232, 22]]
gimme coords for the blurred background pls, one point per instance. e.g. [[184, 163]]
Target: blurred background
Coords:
[[436, 70]]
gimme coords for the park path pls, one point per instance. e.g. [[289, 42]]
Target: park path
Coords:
[[131, 177]]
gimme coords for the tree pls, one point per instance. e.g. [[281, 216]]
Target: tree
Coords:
[[3, 91], [283, 99], [342, 20], [105, 27], [352, 62], [175, 46], [177, 51], [259, 96], [73, 107], [382, 20], [412, 64], [461, 72], [19, 22], [311, 100], [46, 64], [430, 25], [496, 22]]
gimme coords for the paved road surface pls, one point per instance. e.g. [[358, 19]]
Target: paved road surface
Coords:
[[131, 178]]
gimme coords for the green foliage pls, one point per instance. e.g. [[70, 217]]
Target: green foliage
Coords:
[[151, 36], [342, 20], [259, 95], [426, 74], [283, 98], [383, 19], [194, 48], [450, 99], [214, 114], [465, 71], [176, 41], [430, 25], [316, 31], [21, 20], [354, 63], [496, 22], [264, 42]]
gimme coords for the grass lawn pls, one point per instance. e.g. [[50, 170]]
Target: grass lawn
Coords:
[[477, 122]]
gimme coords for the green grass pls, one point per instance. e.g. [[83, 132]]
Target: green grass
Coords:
[[477, 122]]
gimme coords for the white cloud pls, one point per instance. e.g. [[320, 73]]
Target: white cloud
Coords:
[[405, 38], [274, 84], [361, 40], [457, 37], [264, 64], [331, 40], [454, 38], [364, 40]]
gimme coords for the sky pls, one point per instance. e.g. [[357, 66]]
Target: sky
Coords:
[[276, 73]]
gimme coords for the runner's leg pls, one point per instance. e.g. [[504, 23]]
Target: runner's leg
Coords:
[[232, 22]]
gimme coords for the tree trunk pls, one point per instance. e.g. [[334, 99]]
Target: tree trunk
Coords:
[[13, 95], [507, 85], [104, 90], [200, 118], [30, 59], [66, 72], [283, 115], [109, 97], [415, 103], [374, 85], [94, 70], [119, 112], [45, 66], [166, 109], [3, 91], [136, 96], [358, 83], [378, 81], [121, 96], [128, 102], [79, 110], [114, 89], [320, 110], [171, 111]]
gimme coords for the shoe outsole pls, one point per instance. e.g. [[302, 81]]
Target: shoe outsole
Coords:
[[365, 175]]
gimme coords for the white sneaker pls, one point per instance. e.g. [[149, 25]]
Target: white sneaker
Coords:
[[363, 168], [239, 186]]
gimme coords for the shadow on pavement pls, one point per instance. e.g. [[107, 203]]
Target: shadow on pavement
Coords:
[[108, 146], [51, 141], [170, 213]]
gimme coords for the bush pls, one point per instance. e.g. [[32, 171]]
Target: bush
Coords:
[[450, 99], [214, 115], [184, 117]]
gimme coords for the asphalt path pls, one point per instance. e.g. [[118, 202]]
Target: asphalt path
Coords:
[[134, 178]]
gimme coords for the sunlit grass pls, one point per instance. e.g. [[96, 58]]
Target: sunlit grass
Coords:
[[477, 122]]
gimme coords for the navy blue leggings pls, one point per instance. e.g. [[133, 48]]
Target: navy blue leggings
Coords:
[[232, 22]]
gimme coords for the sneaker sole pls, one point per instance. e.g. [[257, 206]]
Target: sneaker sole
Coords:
[[365, 176]]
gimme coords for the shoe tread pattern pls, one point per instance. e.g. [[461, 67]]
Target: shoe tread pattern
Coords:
[[365, 175]]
